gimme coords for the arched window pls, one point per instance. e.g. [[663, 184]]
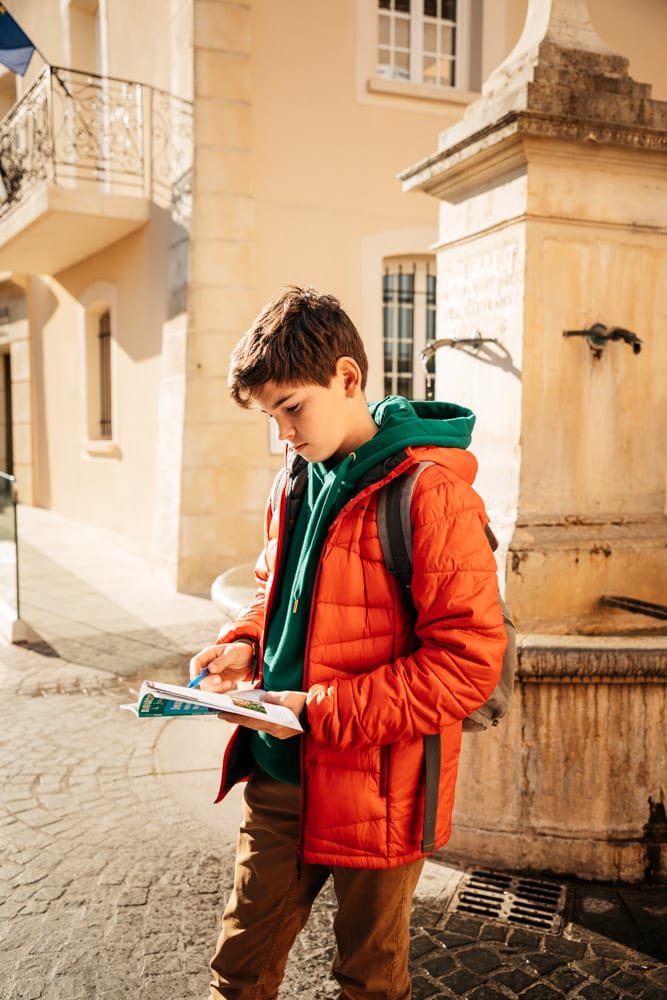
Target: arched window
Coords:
[[99, 363], [408, 325]]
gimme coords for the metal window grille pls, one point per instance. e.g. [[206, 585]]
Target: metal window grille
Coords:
[[430, 334], [423, 41], [408, 325], [104, 354], [398, 298]]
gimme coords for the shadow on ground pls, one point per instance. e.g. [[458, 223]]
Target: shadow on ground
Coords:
[[77, 623]]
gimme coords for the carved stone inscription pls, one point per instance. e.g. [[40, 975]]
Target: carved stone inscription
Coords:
[[490, 281]]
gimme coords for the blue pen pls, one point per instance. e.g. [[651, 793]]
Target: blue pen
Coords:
[[197, 680]]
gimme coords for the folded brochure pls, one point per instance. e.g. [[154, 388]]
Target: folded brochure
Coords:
[[158, 699]]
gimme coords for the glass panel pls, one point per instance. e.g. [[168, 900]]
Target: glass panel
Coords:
[[429, 38], [402, 66], [384, 64], [388, 386], [406, 284], [430, 71], [448, 73], [404, 387], [448, 10], [404, 360], [384, 4], [402, 6], [383, 29], [9, 590], [404, 325], [402, 30], [431, 8], [105, 374], [447, 40]]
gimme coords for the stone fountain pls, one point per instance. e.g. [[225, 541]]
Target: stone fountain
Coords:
[[552, 285]]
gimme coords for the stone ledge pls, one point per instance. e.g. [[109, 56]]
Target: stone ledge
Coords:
[[591, 659]]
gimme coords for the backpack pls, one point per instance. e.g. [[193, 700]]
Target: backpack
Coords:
[[395, 530]]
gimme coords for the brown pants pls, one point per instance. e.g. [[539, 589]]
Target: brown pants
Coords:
[[269, 905]]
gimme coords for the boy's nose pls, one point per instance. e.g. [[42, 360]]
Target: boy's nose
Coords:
[[285, 429]]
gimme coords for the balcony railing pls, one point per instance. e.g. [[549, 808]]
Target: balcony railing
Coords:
[[78, 130]]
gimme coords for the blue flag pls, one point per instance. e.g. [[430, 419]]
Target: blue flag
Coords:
[[16, 49]]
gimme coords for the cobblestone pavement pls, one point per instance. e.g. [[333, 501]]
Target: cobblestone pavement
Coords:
[[112, 880], [114, 864], [108, 888]]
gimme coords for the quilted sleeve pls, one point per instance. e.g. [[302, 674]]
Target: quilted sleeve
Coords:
[[460, 636]]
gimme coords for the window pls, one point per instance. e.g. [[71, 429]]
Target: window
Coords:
[[408, 325], [99, 371], [104, 359], [99, 363], [427, 42]]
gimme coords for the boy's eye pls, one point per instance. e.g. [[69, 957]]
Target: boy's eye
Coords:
[[293, 409]]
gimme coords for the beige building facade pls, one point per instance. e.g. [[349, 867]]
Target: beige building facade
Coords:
[[168, 180]]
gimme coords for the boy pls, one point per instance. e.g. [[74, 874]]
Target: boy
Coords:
[[330, 634]]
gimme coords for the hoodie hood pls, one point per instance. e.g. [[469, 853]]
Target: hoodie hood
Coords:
[[431, 422], [402, 424]]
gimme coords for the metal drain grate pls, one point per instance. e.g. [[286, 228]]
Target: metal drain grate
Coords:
[[514, 899]]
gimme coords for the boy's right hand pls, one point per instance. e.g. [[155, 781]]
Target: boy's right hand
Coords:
[[227, 665]]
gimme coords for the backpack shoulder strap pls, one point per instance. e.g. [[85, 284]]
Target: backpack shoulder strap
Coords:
[[395, 531], [395, 527]]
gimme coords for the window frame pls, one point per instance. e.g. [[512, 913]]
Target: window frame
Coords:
[[416, 20], [99, 396], [423, 270]]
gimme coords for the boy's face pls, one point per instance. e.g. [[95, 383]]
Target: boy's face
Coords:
[[321, 423]]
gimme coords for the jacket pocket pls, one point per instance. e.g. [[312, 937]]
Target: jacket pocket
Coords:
[[385, 759]]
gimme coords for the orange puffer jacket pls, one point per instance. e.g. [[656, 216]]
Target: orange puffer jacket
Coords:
[[378, 682]]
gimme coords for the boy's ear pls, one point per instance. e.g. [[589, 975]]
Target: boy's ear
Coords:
[[350, 372]]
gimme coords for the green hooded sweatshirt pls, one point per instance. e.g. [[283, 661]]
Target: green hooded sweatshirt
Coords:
[[401, 424]]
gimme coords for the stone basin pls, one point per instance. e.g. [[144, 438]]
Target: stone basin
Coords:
[[573, 781]]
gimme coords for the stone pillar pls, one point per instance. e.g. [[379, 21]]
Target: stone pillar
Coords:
[[209, 505], [553, 192], [554, 205]]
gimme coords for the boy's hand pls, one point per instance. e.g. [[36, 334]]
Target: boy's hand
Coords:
[[294, 700], [227, 665]]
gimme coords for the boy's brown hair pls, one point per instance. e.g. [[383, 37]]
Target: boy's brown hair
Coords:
[[296, 339]]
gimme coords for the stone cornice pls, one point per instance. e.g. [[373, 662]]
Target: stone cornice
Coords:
[[560, 83], [592, 659], [430, 173]]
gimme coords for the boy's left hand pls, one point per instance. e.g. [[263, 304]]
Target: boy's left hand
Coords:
[[294, 700]]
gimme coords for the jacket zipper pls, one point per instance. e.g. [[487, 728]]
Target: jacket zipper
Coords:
[[384, 751], [304, 680]]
